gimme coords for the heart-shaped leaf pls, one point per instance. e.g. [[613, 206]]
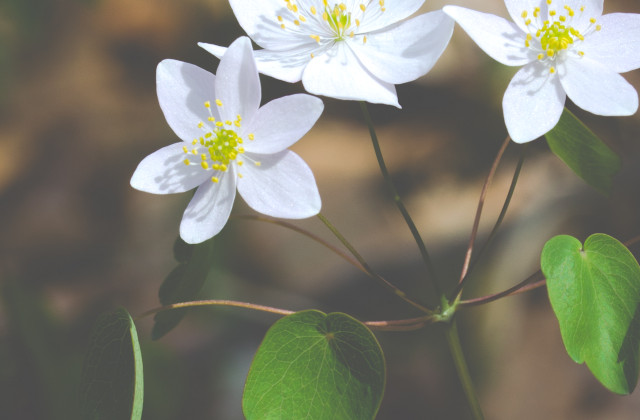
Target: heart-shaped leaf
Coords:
[[112, 380], [595, 293], [316, 366], [583, 152]]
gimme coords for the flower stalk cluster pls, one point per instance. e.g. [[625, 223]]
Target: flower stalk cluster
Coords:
[[359, 50]]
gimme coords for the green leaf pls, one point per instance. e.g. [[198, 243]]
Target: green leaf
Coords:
[[583, 152], [316, 366], [182, 284], [112, 380], [595, 293]]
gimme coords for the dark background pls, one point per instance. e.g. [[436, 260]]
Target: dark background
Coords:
[[78, 111]]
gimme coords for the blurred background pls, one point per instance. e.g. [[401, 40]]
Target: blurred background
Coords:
[[78, 111]]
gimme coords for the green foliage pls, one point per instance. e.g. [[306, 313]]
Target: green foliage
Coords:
[[112, 380], [595, 294], [583, 152], [183, 283], [316, 366]]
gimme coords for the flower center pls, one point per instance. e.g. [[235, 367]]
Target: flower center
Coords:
[[553, 37], [338, 18], [219, 146], [323, 22]]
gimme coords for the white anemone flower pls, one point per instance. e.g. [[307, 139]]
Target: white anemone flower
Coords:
[[566, 48], [352, 49], [229, 142]]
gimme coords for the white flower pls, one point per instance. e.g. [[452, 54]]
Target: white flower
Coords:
[[567, 48], [355, 49], [229, 142]]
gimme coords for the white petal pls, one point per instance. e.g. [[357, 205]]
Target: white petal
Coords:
[[209, 209], [281, 123], [598, 89], [283, 65], [338, 73], [395, 11], [407, 50], [164, 172], [516, 7], [259, 19], [216, 50], [237, 82], [501, 39], [282, 186], [182, 91], [617, 45], [532, 103]]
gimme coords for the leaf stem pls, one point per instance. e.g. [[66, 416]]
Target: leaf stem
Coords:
[[453, 339], [215, 302], [384, 282], [632, 241], [408, 324], [476, 221], [523, 286], [505, 206], [532, 282], [496, 226], [306, 233], [396, 198]]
